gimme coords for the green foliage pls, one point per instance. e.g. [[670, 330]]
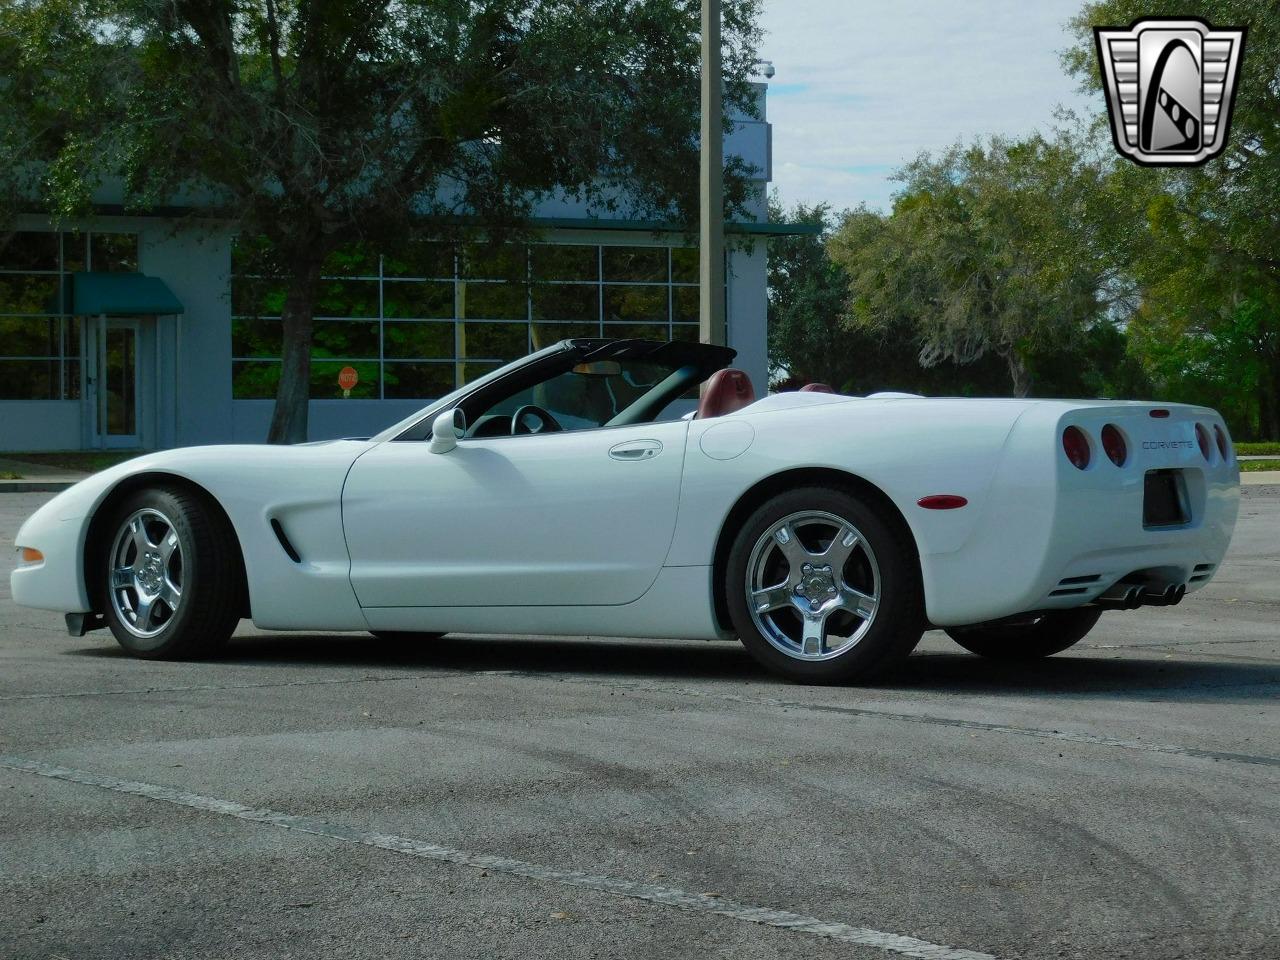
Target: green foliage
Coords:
[[996, 249], [1205, 252], [317, 124], [810, 339]]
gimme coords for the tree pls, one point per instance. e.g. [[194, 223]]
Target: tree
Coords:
[[807, 294], [995, 249], [316, 123], [1206, 249]]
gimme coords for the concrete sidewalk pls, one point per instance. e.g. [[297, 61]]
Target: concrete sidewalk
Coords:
[[36, 477]]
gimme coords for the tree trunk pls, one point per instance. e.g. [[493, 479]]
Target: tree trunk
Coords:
[[289, 419], [1019, 374]]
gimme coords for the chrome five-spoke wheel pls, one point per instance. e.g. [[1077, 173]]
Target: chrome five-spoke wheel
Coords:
[[146, 573], [822, 585], [813, 584]]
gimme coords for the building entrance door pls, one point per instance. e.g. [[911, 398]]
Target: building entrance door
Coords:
[[117, 382]]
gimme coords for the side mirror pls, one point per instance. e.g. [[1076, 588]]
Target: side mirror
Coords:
[[447, 429]]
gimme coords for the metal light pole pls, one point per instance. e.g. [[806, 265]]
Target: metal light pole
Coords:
[[711, 317]]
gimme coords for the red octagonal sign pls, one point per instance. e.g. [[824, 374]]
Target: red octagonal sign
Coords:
[[348, 378]]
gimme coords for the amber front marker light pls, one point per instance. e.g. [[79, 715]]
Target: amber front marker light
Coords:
[[31, 555]]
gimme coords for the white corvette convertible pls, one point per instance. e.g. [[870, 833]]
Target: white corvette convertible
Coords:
[[565, 494]]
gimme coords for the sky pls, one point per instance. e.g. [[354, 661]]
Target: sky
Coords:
[[862, 87]]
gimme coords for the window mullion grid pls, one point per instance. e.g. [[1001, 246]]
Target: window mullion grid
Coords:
[[382, 352]]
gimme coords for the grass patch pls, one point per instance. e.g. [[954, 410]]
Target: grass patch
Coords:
[[9, 475], [84, 461], [1258, 466], [1266, 448]]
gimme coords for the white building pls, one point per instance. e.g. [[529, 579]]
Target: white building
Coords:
[[139, 332]]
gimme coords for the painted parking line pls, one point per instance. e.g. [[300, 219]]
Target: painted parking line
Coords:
[[652, 893]]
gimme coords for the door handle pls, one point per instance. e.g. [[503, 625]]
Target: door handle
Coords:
[[636, 450]]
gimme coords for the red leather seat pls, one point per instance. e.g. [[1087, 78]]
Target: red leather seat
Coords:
[[726, 391], [816, 388]]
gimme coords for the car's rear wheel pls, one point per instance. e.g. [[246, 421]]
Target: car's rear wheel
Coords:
[[170, 575], [1042, 636], [822, 589]]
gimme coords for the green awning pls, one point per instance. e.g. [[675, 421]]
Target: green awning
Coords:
[[121, 295]]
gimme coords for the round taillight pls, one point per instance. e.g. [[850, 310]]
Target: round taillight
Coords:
[[1076, 446], [1202, 438], [1224, 447], [1113, 443]]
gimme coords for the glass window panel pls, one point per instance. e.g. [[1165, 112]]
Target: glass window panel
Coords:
[[30, 379], [685, 332], [71, 337], [637, 331], [30, 336], [348, 298], [417, 381], [256, 338], [684, 304], [575, 302], [254, 379], [495, 341], [545, 334], [635, 303], [256, 298], [345, 338], [471, 370], [29, 250], [252, 255], [635, 263], [352, 260], [113, 252], [493, 301], [506, 261], [30, 294], [418, 340], [428, 259], [71, 378], [418, 299], [562, 261], [75, 252], [684, 264], [324, 379]]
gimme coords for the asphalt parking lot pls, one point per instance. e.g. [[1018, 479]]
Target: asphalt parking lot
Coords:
[[336, 796]]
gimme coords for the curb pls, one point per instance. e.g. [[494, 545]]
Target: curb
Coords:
[[36, 486]]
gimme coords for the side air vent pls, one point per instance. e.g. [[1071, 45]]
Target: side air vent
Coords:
[[1202, 572], [284, 541], [1074, 586]]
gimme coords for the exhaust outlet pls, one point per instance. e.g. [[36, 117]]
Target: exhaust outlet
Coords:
[[1130, 597], [1168, 597]]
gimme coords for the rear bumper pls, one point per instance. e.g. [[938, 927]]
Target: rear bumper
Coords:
[[1054, 537]]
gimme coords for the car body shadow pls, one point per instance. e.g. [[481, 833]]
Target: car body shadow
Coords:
[[1083, 673]]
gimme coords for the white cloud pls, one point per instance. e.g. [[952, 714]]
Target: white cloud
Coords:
[[862, 88]]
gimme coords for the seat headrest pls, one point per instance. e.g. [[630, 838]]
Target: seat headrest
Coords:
[[816, 388], [726, 391]]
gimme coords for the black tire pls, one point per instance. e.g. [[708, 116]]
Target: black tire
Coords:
[[208, 563], [405, 636], [1048, 634], [898, 620]]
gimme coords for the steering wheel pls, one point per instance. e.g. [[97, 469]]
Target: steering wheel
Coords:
[[546, 423]]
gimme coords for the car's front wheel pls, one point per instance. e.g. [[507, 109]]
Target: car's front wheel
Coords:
[[822, 589], [1041, 636], [170, 575]]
